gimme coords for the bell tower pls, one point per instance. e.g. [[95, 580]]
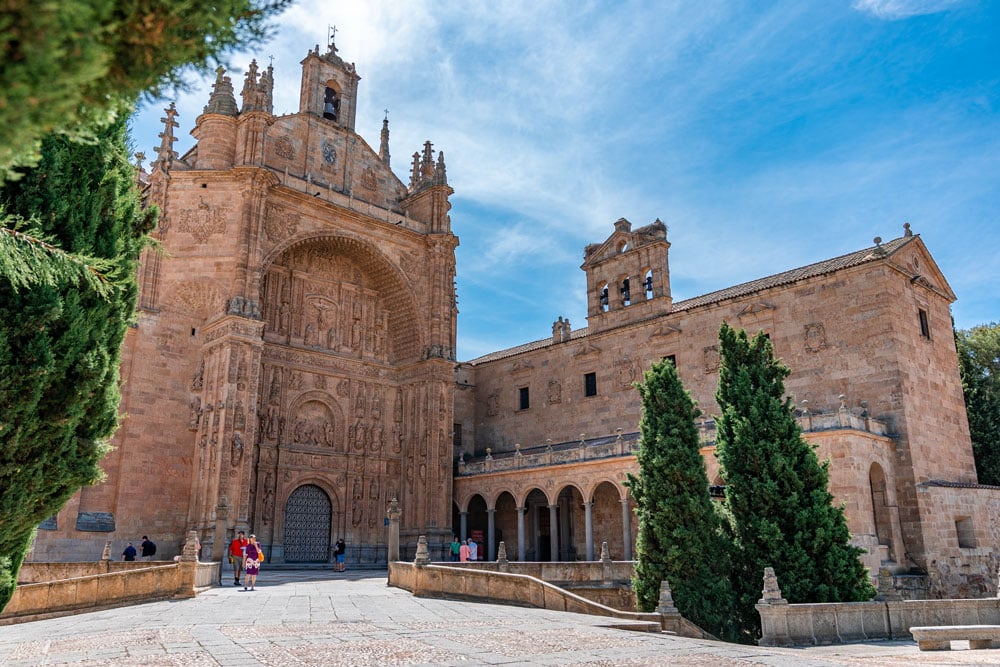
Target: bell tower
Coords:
[[628, 275], [329, 87]]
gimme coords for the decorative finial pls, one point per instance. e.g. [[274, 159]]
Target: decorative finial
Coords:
[[906, 229], [877, 240]]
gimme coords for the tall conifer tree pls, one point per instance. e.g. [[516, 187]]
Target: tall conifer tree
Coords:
[[979, 365], [680, 535], [60, 340], [776, 487]]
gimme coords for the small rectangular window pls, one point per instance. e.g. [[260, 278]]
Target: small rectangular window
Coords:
[[524, 399], [672, 358], [925, 328], [966, 534], [590, 384]]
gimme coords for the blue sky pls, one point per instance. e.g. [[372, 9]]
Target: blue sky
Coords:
[[765, 139]]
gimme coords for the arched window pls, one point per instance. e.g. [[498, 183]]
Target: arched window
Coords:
[[648, 284], [603, 297], [626, 292], [331, 104]]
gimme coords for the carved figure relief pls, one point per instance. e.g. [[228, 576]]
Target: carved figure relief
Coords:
[[329, 152], [203, 221], [357, 507], [314, 425], [815, 336], [195, 419]]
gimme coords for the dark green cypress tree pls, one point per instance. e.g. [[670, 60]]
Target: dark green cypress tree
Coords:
[[60, 340], [776, 488], [979, 365], [680, 534]]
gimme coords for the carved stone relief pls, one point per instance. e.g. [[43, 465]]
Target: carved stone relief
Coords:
[[203, 221], [815, 337], [279, 224], [711, 357], [283, 146]]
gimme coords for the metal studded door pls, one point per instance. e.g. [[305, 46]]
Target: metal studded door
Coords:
[[307, 526]]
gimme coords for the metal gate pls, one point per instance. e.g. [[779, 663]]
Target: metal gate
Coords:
[[307, 526]]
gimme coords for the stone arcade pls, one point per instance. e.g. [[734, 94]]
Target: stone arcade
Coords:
[[292, 369]]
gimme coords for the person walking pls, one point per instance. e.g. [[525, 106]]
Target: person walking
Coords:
[[455, 547], [148, 548], [237, 553], [251, 564], [463, 552], [338, 552], [129, 553]]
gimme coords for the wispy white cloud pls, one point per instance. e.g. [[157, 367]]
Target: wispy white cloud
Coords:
[[893, 10]]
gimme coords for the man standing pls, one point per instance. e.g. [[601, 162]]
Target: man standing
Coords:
[[473, 550], [237, 552], [129, 553], [148, 548]]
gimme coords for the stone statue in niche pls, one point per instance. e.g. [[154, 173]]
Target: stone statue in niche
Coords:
[[357, 499], [274, 395], [344, 388], [295, 381], [329, 438], [236, 453], [376, 406], [284, 317], [271, 422], [198, 381], [309, 337], [268, 504], [195, 419], [239, 419]]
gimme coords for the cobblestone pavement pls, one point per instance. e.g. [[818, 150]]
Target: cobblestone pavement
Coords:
[[353, 619]]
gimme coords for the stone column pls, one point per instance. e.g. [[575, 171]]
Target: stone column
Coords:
[[490, 542], [588, 517], [521, 546], [393, 515], [463, 522], [627, 528], [553, 533]]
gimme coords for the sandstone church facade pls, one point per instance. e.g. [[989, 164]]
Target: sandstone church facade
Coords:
[[292, 368]]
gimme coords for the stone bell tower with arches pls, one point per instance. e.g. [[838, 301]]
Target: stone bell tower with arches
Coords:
[[291, 369]]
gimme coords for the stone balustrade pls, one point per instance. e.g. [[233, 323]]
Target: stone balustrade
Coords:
[[625, 444]]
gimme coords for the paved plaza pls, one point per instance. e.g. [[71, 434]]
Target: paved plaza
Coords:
[[353, 619]]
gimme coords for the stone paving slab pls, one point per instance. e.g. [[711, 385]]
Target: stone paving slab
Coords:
[[306, 618]]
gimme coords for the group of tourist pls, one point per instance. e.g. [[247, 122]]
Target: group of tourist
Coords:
[[148, 550], [463, 551], [245, 555]]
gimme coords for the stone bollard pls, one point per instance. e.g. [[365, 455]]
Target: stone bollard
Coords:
[[666, 602], [670, 617], [188, 566], [773, 609], [502, 562], [106, 555], [605, 557], [423, 553]]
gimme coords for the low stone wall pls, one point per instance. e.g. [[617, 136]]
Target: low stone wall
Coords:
[[832, 623], [36, 573], [485, 584], [121, 584], [608, 583]]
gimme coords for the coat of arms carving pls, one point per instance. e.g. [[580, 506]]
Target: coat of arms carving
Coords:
[[203, 221]]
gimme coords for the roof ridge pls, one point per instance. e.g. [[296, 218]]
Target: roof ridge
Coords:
[[847, 260]]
